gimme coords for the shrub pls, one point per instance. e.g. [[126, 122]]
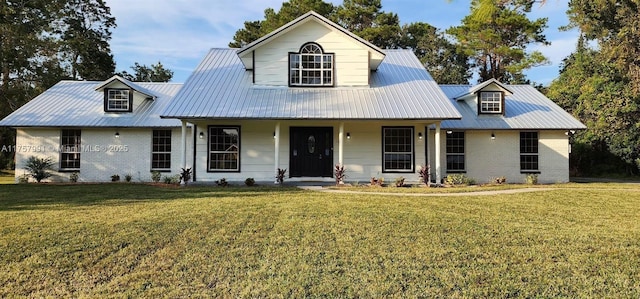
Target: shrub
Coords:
[[156, 176], [400, 182], [249, 182], [377, 181], [531, 179], [171, 179], [23, 179], [280, 176], [115, 178], [222, 182], [425, 174], [39, 167], [459, 179], [185, 175], [340, 174], [74, 176], [127, 177], [499, 180]]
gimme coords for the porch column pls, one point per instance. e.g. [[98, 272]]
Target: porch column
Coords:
[[183, 144], [437, 144], [426, 145], [276, 147], [341, 145]]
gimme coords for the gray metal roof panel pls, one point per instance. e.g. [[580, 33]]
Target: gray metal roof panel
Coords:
[[526, 109], [78, 104], [220, 87]]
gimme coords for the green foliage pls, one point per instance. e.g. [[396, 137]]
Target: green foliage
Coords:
[[115, 177], [156, 176], [249, 182], [171, 179], [425, 174], [185, 175], [39, 168], [496, 35], [74, 176], [377, 182], [531, 179], [222, 182], [144, 73], [459, 179], [128, 177]]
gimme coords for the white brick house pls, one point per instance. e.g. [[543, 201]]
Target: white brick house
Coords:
[[304, 98]]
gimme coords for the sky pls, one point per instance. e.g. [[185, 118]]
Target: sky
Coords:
[[179, 33]]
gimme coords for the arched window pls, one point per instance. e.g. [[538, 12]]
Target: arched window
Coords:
[[311, 66]]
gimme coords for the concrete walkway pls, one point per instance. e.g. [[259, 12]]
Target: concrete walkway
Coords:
[[472, 193]]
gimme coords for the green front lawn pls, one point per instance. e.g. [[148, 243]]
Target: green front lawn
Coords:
[[129, 240], [7, 177]]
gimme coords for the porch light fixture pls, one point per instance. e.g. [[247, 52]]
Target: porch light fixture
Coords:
[[201, 135], [348, 135], [274, 135], [420, 135], [570, 132], [493, 136], [449, 132], [117, 134]]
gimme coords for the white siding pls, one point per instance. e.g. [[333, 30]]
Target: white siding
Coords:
[[486, 159], [102, 154], [351, 58], [362, 153]]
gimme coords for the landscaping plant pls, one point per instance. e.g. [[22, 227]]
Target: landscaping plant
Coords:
[[39, 168]]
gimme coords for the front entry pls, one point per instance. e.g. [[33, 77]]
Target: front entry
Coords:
[[311, 153]]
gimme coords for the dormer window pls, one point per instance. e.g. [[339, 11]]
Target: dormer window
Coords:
[[118, 100], [311, 67], [491, 102]]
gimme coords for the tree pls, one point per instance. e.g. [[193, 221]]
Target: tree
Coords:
[[601, 85], [85, 28], [440, 57], [143, 73], [290, 10], [365, 18], [39, 168], [497, 44]]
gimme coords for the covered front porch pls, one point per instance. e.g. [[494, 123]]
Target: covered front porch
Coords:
[[310, 149]]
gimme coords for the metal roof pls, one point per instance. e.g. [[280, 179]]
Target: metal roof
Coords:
[[128, 83], [221, 88], [78, 104], [525, 108]]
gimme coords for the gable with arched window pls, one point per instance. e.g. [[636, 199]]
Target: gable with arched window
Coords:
[[311, 66]]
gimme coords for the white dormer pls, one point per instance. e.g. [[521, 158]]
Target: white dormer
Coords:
[[121, 95], [486, 98], [311, 51]]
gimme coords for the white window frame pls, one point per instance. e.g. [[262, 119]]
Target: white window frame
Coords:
[[118, 100], [311, 67], [489, 101]]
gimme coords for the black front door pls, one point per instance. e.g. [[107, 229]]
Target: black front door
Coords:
[[311, 153]]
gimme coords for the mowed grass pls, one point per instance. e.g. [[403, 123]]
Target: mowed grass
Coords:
[[128, 240], [7, 177]]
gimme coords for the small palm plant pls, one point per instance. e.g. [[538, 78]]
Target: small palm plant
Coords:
[[39, 167]]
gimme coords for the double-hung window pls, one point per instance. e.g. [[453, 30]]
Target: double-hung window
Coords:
[[70, 148], [224, 149], [118, 100], [311, 67], [161, 150], [491, 102], [455, 152], [397, 149], [529, 152]]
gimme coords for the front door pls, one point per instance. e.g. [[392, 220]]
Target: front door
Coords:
[[311, 153]]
